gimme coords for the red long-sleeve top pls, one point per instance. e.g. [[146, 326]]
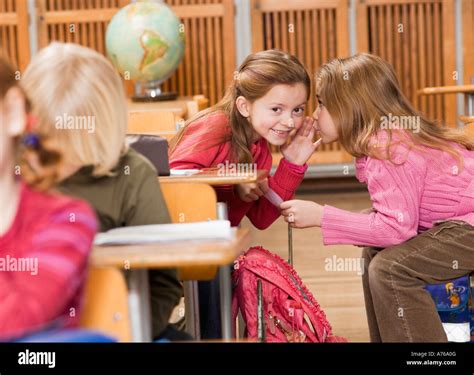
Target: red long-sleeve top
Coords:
[[201, 147], [43, 263]]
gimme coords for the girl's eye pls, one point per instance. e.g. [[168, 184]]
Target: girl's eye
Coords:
[[276, 109], [320, 103], [299, 111]]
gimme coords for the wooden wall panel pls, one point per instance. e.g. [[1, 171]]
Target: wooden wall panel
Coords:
[[75, 21], [209, 59], [468, 40], [14, 37], [417, 38]]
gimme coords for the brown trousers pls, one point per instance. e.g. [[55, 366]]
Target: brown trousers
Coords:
[[398, 307]]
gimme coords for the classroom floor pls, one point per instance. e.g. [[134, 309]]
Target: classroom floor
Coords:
[[339, 292]]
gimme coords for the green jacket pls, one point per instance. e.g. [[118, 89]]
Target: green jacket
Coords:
[[132, 196]]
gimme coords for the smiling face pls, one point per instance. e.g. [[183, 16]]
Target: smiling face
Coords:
[[277, 113], [325, 127]]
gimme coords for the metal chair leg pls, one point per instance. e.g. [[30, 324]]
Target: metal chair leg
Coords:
[[260, 313], [290, 245]]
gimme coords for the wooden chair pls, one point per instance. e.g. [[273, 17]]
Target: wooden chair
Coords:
[[191, 202], [187, 203], [106, 303], [468, 91]]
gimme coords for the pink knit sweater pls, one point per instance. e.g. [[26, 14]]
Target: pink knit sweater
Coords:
[[407, 199]]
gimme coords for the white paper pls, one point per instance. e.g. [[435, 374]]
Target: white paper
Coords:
[[143, 234], [274, 198], [183, 172]]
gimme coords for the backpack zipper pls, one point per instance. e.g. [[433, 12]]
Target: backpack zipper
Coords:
[[291, 335]]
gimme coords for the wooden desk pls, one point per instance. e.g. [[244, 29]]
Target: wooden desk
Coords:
[[171, 255], [212, 177], [141, 258]]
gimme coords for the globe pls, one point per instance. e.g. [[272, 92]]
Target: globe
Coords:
[[145, 43]]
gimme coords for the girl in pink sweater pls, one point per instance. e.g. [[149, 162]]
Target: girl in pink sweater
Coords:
[[45, 238], [420, 178]]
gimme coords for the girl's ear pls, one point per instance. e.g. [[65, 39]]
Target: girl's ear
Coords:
[[243, 106], [15, 112]]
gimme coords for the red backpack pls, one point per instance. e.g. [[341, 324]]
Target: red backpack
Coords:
[[275, 305]]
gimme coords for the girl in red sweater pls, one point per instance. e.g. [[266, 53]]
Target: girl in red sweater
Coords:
[[45, 238], [264, 105]]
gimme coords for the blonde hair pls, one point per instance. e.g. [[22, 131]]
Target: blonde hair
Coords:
[[39, 165], [256, 76], [77, 84], [360, 91]]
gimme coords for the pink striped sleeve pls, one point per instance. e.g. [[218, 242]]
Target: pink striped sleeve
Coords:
[[395, 191], [60, 245]]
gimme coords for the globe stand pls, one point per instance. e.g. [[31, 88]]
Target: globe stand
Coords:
[[150, 91]]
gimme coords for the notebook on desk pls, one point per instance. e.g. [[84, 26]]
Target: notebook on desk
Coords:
[[146, 234], [183, 172]]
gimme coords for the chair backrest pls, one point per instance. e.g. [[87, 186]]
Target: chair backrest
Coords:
[[163, 123], [106, 303], [187, 203], [190, 202]]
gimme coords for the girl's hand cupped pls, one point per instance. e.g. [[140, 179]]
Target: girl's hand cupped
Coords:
[[301, 147], [302, 214]]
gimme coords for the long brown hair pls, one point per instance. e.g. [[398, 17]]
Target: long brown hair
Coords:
[[360, 92], [39, 166], [256, 76]]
